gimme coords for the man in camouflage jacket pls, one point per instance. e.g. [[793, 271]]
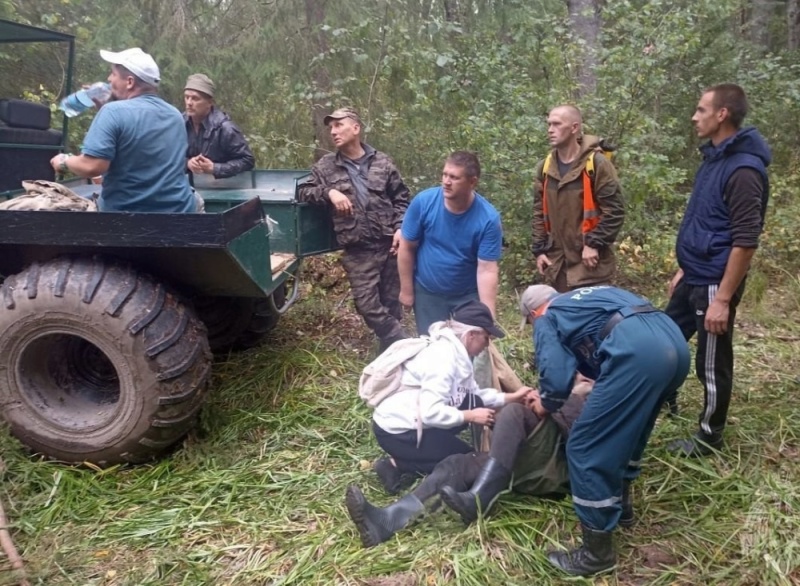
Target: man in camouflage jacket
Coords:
[[368, 200]]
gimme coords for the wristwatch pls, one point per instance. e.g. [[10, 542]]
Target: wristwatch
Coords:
[[62, 162]]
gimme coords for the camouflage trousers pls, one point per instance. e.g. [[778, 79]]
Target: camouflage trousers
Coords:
[[375, 285]]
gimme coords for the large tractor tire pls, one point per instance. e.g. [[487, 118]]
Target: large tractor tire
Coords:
[[239, 323], [98, 363]]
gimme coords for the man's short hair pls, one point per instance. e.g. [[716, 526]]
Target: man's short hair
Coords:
[[731, 97], [467, 161], [573, 112], [137, 81]]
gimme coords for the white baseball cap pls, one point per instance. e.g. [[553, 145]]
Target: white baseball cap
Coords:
[[137, 62]]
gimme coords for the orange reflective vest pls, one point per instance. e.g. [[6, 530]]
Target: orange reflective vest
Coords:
[[591, 215]]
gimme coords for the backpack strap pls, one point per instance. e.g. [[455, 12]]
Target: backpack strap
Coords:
[[548, 161], [591, 214]]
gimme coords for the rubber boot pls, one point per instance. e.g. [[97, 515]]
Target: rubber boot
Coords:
[[594, 556], [375, 524], [391, 478], [493, 479], [628, 518]]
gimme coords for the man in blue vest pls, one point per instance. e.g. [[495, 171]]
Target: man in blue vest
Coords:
[[716, 242]]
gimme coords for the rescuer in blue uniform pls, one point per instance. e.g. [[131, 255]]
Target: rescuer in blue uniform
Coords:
[[637, 356]]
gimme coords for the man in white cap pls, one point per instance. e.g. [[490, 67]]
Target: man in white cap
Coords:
[[216, 145], [637, 357], [137, 142]]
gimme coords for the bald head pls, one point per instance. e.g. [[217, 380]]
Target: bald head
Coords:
[[564, 127], [568, 112]]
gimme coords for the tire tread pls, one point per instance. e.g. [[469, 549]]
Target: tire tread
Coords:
[[173, 348]]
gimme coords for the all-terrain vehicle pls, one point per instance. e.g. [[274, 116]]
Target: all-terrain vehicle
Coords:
[[108, 321]]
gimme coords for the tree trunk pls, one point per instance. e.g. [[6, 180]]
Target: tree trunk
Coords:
[[760, 16], [585, 21], [793, 21], [451, 11], [315, 17]]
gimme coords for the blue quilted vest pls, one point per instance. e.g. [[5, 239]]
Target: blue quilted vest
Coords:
[[704, 240]]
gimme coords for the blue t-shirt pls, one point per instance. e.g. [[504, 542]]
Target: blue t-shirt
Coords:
[[450, 245], [144, 138]]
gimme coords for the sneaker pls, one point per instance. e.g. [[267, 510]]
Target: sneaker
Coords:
[[391, 478], [697, 446]]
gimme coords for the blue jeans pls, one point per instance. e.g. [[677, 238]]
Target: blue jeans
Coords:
[[432, 307]]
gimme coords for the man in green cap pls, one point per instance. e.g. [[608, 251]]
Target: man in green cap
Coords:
[[216, 145]]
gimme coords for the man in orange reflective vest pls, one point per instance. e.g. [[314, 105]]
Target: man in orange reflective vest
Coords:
[[578, 208]]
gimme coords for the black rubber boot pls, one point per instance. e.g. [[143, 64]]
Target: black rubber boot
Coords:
[[594, 556], [628, 518], [492, 480], [391, 478], [375, 524]]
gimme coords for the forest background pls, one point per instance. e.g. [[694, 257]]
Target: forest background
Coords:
[[433, 76], [253, 496]]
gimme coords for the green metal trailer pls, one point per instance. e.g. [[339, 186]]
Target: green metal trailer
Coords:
[[108, 320]]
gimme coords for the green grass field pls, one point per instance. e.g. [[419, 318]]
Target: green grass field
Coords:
[[255, 494]]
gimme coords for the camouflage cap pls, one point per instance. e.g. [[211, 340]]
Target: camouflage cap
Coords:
[[343, 113]]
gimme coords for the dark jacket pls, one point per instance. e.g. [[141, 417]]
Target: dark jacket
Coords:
[[564, 245], [386, 204], [705, 238], [221, 141]]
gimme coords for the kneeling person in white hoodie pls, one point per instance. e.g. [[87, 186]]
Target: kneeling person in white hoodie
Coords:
[[418, 426]]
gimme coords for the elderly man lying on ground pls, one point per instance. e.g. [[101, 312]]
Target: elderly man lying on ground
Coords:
[[525, 446]]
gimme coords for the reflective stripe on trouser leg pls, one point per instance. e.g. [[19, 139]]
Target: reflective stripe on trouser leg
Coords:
[[619, 413]]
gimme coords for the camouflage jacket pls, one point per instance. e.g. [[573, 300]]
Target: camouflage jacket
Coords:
[[386, 205]]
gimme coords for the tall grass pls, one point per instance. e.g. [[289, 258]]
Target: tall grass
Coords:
[[255, 494]]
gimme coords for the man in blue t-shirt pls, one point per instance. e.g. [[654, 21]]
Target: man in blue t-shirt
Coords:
[[450, 245], [137, 142]]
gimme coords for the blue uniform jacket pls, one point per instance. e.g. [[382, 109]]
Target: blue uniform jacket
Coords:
[[567, 338]]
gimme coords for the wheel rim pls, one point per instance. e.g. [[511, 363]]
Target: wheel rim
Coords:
[[69, 381]]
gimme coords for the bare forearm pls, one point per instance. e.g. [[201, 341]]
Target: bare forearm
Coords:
[[406, 260], [488, 279], [735, 271]]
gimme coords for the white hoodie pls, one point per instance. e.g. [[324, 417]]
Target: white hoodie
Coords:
[[434, 384]]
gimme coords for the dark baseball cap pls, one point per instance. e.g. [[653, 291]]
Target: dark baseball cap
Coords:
[[342, 113], [475, 313]]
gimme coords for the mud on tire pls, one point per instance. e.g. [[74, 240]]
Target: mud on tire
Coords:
[[98, 362]]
